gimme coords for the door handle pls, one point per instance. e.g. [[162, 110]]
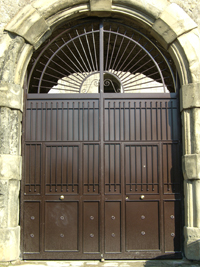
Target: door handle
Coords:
[[62, 197]]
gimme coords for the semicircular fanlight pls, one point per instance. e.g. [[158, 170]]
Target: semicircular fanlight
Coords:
[[73, 62]]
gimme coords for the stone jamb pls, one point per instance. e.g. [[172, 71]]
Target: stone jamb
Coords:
[[176, 32]]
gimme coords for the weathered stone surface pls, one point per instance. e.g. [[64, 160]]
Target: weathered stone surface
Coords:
[[100, 5], [29, 24], [9, 203], [172, 23], [9, 243], [64, 15], [192, 243], [22, 64], [49, 7], [10, 167], [195, 131], [10, 57], [191, 166], [11, 95], [153, 8], [190, 41], [10, 131], [190, 96]]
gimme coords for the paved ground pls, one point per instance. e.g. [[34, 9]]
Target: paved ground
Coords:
[[138, 263]]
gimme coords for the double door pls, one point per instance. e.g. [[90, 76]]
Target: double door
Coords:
[[102, 177]]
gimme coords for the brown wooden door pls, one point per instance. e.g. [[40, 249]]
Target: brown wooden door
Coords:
[[102, 177]]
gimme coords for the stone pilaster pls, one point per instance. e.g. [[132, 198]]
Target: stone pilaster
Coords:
[[190, 107]]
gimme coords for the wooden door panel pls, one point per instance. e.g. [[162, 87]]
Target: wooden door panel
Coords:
[[91, 226], [112, 226], [142, 226], [32, 227], [61, 226]]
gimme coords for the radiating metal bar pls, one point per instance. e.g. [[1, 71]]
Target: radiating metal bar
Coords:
[[119, 50], [69, 66], [144, 88], [86, 37], [116, 35], [154, 66], [108, 48], [124, 51], [131, 82], [94, 44], [61, 89], [130, 61], [62, 79], [79, 53], [84, 49], [64, 75]]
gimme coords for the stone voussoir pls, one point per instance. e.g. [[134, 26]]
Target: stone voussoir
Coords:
[[11, 95], [29, 24], [10, 167], [152, 8], [172, 23], [191, 166], [191, 43], [190, 96]]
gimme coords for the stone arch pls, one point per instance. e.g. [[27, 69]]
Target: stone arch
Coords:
[[173, 29]]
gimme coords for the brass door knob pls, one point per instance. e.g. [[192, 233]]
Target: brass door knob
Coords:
[[142, 197], [62, 197]]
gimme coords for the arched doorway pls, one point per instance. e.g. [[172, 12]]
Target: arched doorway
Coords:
[[102, 147]]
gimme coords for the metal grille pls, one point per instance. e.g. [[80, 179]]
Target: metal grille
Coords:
[[106, 54]]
